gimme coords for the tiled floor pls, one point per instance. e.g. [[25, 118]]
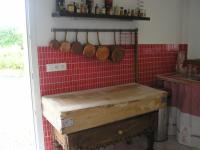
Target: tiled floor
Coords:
[[140, 144]]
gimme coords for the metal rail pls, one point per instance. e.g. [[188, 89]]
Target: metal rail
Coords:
[[136, 65], [92, 30]]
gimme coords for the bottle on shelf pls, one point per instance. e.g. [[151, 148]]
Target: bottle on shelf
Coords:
[[89, 5], [116, 11], [129, 12], [132, 12], [108, 6], [75, 8], [97, 10], [86, 9], [111, 12], [60, 5], [121, 11], [125, 12], [70, 7], [78, 10], [82, 8], [103, 11], [140, 11]]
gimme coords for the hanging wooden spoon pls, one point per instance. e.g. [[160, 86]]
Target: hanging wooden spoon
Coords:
[[89, 49], [116, 52], [54, 43], [77, 47], [65, 46], [102, 52]]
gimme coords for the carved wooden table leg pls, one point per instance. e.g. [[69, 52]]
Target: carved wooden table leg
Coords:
[[150, 139], [150, 133], [56, 144]]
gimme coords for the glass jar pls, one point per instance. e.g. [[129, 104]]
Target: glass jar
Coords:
[[97, 10], [121, 11], [70, 8], [116, 11], [103, 11], [129, 12], [132, 12]]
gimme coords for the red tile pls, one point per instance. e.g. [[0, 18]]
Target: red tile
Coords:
[[85, 73]]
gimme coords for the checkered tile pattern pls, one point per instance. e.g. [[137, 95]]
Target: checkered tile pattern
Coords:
[[83, 73]]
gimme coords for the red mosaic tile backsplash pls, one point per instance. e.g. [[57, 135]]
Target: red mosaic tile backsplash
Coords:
[[157, 59], [83, 73]]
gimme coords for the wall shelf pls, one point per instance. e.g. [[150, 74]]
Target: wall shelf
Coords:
[[128, 18]]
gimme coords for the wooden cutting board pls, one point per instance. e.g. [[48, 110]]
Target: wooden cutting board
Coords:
[[77, 111]]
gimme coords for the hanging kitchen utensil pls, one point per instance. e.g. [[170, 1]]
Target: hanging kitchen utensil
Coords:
[[54, 43], [89, 49], [102, 52], [65, 46], [77, 47], [116, 52]]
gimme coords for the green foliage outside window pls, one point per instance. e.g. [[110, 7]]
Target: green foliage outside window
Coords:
[[11, 49], [10, 37]]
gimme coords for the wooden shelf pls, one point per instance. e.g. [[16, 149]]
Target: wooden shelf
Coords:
[[128, 18]]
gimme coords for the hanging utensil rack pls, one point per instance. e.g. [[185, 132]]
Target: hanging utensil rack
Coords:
[[135, 31]]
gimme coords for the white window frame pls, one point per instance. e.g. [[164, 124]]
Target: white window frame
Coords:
[[34, 72]]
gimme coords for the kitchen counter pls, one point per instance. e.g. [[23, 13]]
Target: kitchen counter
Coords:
[[184, 107], [77, 111], [179, 78]]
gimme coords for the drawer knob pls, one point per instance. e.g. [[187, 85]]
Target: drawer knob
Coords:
[[120, 132]]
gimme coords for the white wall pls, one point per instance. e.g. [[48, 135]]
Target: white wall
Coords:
[[165, 24], [194, 29], [185, 21], [164, 27]]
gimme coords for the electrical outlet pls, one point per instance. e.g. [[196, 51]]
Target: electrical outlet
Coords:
[[56, 67]]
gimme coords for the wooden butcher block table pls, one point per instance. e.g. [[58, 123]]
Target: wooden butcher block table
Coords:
[[94, 118]]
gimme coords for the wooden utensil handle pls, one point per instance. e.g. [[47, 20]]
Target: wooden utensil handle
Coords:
[[99, 43], [76, 36], [131, 38], [54, 35], [65, 35], [115, 38], [120, 39], [87, 38]]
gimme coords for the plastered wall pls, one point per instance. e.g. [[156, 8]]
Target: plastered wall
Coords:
[[194, 29], [165, 25]]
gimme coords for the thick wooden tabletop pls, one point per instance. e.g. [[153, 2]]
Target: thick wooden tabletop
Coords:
[[71, 112]]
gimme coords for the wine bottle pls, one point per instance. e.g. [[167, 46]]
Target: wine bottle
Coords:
[[89, 4], [108, 6]]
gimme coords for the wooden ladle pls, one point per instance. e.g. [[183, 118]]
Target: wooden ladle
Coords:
[[116, 52], [102, 52], [54, 43], [77, 47], [89, 49], [65, 46]]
